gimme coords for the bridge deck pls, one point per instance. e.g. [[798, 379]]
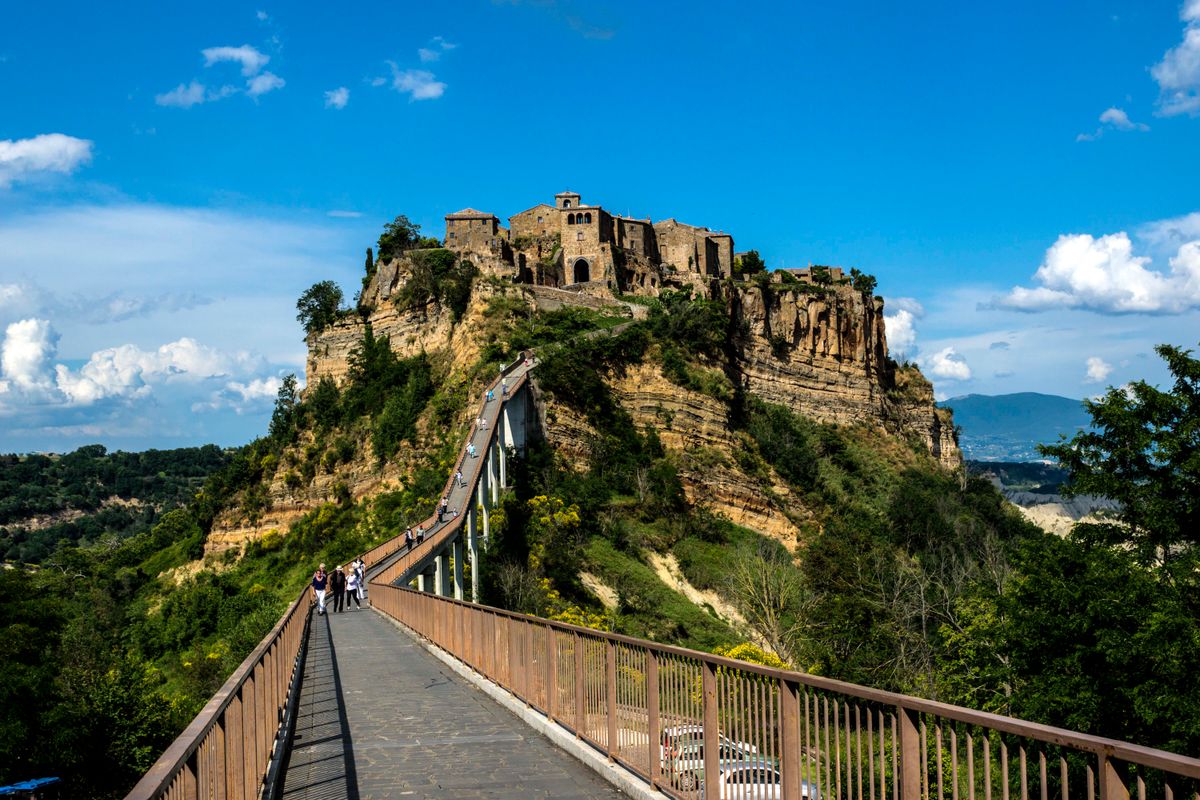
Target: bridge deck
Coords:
[[379, 717]]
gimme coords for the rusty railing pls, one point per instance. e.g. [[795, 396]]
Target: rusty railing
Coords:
[[228, 748], [816, 737]]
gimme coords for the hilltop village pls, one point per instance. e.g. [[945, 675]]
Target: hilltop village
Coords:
[[583, 247]]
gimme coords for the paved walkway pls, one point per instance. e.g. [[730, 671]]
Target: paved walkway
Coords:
[[381, 718]]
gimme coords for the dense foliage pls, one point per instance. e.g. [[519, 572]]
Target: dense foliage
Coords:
[[84, 495]]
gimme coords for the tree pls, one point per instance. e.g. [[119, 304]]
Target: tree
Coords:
[[771, 593], [319, 306], [398, 235], [821, 276], [1143, 450], [283, 418], [749, 263], [370, 267], [862, 281]]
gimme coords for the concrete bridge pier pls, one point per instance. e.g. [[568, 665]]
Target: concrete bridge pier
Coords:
[[426, 580], [444, 575], [473, 547], [458, 568]]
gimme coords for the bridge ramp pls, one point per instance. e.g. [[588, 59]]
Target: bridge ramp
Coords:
[[413, 729]]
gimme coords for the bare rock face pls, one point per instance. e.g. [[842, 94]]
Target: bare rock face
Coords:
[[824, 355], [695, 428]]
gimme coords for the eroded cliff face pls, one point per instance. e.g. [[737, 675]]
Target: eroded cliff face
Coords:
[[824, 355]]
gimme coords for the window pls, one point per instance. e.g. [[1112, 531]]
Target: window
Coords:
[[566, 203], [587, 217], [579, 236], [570, 219], [452, 234], [539, 220]]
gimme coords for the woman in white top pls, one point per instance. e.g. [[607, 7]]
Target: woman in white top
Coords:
[[352, 585]]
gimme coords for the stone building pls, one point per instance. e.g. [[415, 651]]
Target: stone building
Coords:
[[573, 245]]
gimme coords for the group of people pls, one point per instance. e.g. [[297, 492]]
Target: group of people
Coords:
[[410, 540], [347, 585]]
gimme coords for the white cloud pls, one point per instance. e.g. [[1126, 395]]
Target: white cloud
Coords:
[[243, 397], [21, 159], [261, 84], [249, 57], [901, 333], [1097, 369], [262, 16], [418, 84], [437, 46], [25, 356], [182, 96], [1102, 274], [251, 60], [341, 214], [947, 364], [1178, 73], [1113, 119], [337, 98]]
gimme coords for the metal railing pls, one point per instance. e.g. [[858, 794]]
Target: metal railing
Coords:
[[817, 737], [228, 748]]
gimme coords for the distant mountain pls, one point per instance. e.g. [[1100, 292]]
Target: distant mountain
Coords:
[[1008, 427]]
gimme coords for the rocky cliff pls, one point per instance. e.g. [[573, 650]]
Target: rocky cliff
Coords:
[[820, 351], [823, 353]]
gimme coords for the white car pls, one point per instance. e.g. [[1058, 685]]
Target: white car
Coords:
[[753, 779]]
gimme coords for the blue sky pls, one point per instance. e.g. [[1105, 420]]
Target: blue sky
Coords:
[[1020, 179]]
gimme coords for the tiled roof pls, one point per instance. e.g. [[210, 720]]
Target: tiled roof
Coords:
[[469, 213]]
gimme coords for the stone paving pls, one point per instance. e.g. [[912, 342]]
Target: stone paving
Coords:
[[413, 729]]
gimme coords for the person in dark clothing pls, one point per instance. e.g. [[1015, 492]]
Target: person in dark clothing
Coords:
[[319, 581], [408, 539], [338, 583]]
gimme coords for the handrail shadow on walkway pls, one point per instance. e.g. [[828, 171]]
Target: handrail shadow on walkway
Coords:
[[320, 761]]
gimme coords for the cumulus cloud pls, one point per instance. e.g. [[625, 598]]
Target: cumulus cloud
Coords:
[[22, 159], [1102, 274], [418, 84], [243, 397], [1113, 119], [900, 323], [251, 62], [337, 98], [1097, 369], [1178, 73], [25, 355], [947, 364]]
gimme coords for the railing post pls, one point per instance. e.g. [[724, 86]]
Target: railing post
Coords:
[[712, 734], [910, 755], [529, 677], [580, 708], [1112, 785], [789, 730], [190, 779], [552, 678], [653, 721], [610, 696]]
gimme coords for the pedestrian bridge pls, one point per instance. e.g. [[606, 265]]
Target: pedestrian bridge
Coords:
[[425, 694]]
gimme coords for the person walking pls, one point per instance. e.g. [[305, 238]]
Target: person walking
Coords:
[[352, 587], [338, 584], [458, 478], [420, 533], [408, 540], [362, 579], [320, 580]]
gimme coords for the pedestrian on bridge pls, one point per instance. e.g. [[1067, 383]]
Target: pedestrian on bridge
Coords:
[[338, 584], [420, 533], [504, 386], [458, 478], [360, 569], [352, 589], [471, 449], [319, 581], [408, 540]]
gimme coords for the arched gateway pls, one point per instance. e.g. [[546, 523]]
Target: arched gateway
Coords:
[[581, 271]]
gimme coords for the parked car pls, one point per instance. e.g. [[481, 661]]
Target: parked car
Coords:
[[677, 737], [753, 779], [686, 769]]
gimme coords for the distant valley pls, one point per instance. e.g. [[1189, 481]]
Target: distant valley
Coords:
[[1008, 427]]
